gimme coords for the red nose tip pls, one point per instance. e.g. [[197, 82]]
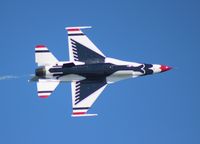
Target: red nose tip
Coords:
[[165, 68]]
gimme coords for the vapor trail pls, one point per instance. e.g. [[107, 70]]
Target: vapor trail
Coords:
[[7, 77]]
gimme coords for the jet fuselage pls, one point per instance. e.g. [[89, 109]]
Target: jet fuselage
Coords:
[[95, 71]]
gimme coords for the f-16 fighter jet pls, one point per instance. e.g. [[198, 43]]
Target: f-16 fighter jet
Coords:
[[88, 70]]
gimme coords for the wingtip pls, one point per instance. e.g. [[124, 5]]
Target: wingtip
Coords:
[[44, 96], [83, 115], [78, 27], [40, 46]]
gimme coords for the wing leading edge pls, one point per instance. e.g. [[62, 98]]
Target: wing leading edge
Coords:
[[84, 94]]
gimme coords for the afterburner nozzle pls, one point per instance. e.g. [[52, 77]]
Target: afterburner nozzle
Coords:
[[40, 72]]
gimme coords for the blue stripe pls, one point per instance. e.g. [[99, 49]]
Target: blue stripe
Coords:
[[78, 108], [76, 34], [45, 91], [41, 51]]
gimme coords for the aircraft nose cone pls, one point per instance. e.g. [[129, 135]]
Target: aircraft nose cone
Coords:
[[164, 68]]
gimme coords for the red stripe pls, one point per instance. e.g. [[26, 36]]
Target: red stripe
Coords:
[[73, 29], [40, 46], [78, 113], [44, 96]]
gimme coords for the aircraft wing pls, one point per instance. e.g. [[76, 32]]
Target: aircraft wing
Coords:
[[84, 94], [81, 48]]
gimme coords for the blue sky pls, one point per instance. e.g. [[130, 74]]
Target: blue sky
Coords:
[[162, 108]]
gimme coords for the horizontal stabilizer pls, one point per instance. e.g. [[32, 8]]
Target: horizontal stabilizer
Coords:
[[46, 87], [43, 56]]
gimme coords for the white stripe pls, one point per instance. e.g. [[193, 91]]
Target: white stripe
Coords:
[[38, 49], [78, 27], [74, 49], [77, 87], [77, 83], [75, 52], [80, 110], [75, 56], [77, 94], [58, 73], [75, 32], [44, 94]]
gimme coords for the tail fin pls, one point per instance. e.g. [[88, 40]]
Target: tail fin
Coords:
[[43, 56]]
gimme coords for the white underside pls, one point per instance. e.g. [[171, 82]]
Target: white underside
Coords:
[[121, 75], [71, 77]]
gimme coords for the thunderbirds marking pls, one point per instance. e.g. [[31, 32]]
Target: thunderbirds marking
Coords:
[[88, 70]]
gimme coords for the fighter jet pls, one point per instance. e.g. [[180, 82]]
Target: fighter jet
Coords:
[[88, 70]]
